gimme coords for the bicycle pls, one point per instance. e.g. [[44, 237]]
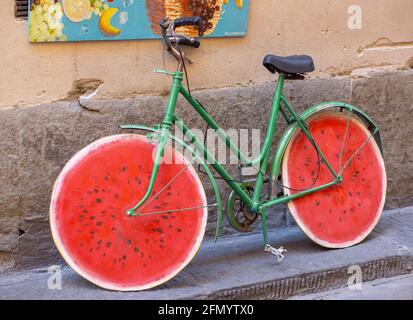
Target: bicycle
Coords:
[[126, 220]]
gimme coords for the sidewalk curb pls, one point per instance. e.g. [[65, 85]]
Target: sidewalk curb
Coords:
[[315, 282]]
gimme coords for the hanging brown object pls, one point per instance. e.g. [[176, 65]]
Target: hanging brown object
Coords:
[[208, 10]]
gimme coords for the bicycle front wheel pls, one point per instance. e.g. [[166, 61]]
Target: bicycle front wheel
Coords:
[[109, 248], [343, 215]]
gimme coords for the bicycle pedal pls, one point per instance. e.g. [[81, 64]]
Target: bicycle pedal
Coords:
[[279, 253]]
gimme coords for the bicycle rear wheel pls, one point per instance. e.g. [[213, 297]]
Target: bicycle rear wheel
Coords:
[[96, 237], [343, 215]]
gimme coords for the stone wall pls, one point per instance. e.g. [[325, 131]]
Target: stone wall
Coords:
[[37, 141]]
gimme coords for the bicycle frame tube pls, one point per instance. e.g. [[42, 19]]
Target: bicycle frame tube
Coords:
[[221, 134], [254, 203]]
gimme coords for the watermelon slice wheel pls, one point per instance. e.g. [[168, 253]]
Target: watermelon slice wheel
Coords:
[[99, 241], [345, 214]]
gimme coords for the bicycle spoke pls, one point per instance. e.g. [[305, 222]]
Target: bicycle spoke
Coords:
[[345, 138], [179, 210], [166, 185], [356, 152]]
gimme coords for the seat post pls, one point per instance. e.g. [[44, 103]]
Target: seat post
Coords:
[[279, 87]]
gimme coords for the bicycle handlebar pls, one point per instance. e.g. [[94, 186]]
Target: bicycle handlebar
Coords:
[[186, 41], [169, 35], [186, 21]]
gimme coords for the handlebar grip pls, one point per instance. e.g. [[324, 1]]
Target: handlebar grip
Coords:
[[187, 21], [185, 41]]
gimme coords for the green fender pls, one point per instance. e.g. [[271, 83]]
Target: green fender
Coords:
[[201, 161], [289, 132]]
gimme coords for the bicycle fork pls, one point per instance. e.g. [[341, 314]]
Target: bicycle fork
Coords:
[[164, 134], [165, 130]]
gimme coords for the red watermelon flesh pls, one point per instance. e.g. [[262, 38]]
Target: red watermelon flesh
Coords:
[[102, 243], [344, 214]]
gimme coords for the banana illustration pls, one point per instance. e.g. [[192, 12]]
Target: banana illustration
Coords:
[[105, 23]]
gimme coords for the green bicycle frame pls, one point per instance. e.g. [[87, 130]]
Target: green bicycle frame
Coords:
[[254, 202]]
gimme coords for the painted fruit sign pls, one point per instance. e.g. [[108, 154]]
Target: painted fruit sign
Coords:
[[87, 20]]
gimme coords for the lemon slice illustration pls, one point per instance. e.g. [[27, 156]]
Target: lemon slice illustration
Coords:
[[77, 10]]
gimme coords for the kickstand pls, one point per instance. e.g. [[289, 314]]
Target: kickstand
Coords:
[[279, 253]]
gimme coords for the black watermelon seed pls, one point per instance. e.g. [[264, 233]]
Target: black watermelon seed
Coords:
[[179, 230], [99, 200], [123, 169], [92, 217], [113, 216], [317, 203], [129, 242], [124, 257], [108, 244], [136, 249], [169, 193], [84, 211], [165, 217]]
